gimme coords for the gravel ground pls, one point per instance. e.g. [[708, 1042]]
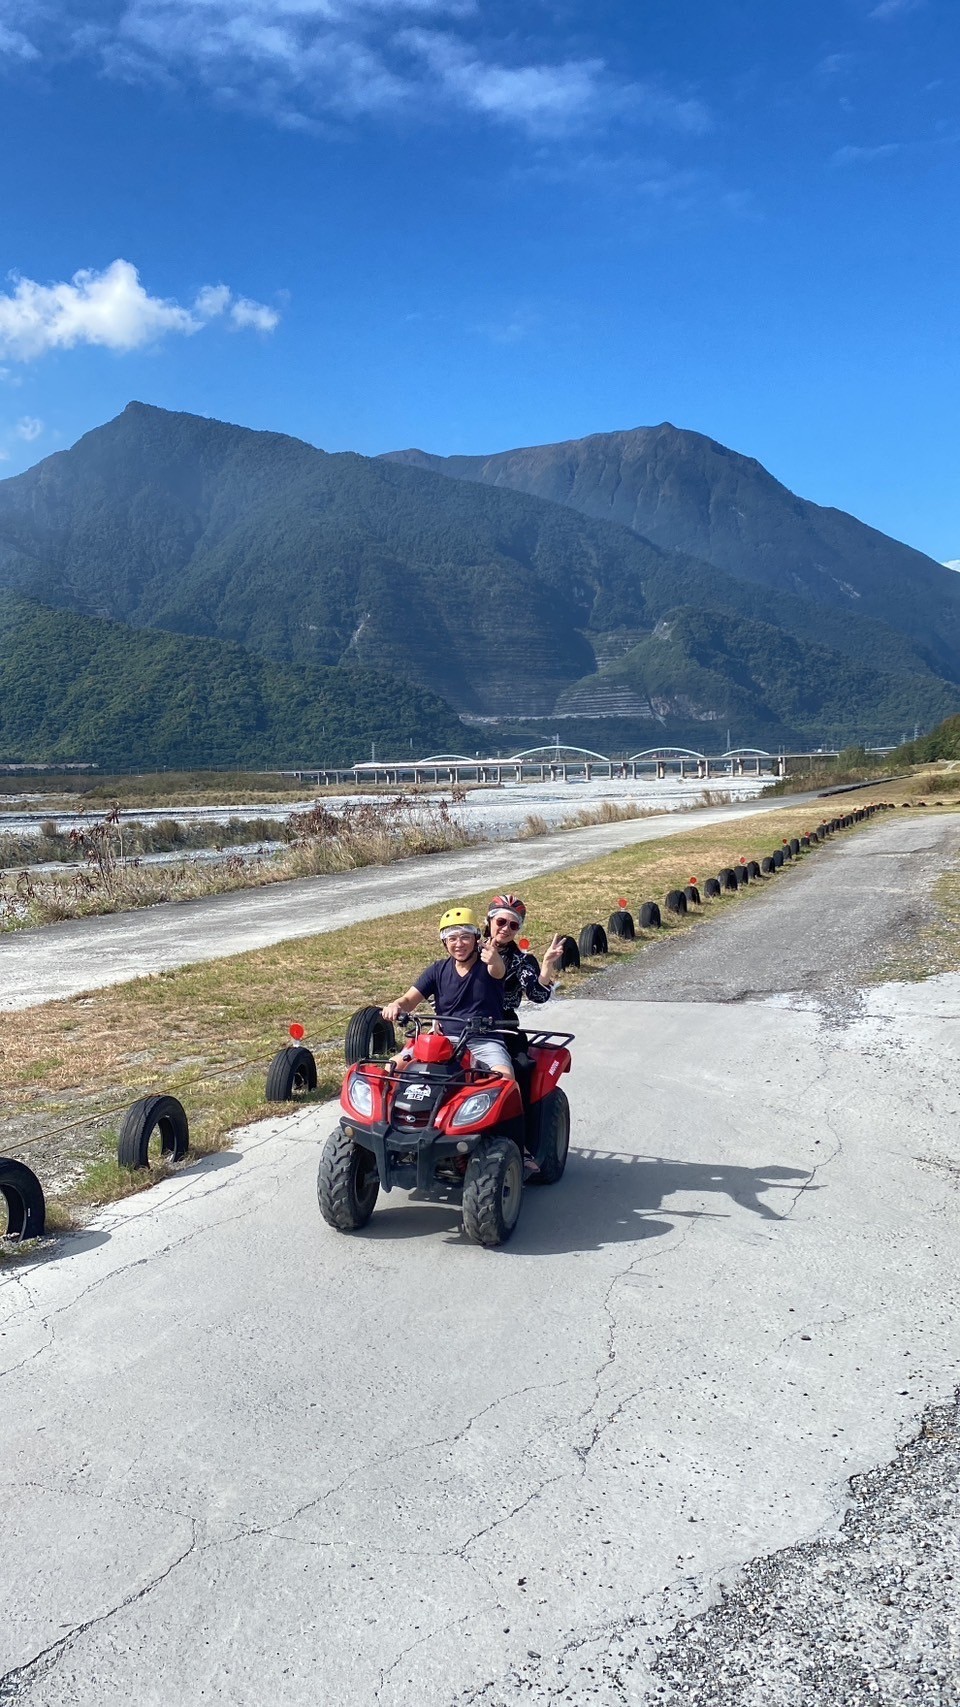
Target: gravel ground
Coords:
[[836, 915], [869, 1615]]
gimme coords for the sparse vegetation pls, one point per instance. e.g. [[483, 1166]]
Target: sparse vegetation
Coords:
[[206, 1032], [169, 835], [324, 839]]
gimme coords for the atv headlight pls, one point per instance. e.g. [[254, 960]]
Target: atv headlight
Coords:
[[474, 1108], [360, 1093]]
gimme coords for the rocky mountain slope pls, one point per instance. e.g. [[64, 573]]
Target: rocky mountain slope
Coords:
[[506, 605], [685, 492]]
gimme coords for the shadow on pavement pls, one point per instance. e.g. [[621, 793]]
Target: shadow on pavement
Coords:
[[605, 1198], [73, 1245]]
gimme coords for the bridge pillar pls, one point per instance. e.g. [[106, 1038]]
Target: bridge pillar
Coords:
[[519, 770], [683, 770], [587, 772], [756, 770], [781, 766], [661, 770]]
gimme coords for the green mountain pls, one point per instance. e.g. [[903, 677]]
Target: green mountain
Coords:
[[683, 491], [702, 666], [82, 689], [501, 603]]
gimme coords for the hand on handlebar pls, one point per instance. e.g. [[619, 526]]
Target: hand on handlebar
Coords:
[[393, 1011]]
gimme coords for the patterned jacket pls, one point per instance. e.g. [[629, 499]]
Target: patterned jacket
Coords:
[[522, 977]]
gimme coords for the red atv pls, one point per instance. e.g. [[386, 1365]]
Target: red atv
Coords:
[[437, 1122]]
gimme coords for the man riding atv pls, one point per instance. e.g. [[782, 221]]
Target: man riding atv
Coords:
[[466, 985]]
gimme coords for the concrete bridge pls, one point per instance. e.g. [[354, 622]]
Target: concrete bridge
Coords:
[[558, 763]]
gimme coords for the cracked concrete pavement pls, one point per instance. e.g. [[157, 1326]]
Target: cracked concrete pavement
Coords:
[[49, 963], [247, 1459]]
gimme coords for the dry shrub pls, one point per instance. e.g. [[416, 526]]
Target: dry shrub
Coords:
[[533, 825], [371, 832]]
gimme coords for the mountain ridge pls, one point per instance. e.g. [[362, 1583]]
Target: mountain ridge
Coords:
[[685, 491], [501, 603]]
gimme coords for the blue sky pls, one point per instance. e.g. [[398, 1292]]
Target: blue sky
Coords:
[[467, 225]]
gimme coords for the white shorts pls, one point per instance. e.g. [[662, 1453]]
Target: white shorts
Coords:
[[490, 1052]]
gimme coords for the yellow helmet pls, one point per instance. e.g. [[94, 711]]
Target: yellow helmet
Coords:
[[459, 918]]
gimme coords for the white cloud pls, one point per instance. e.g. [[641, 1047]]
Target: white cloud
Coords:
[[4, 455], [244, 313], [895, 8], [952, 563], [852, 155], [303, 62], [28, 428], [111, 309]]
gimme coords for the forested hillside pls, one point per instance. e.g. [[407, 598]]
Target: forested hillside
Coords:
[[941, 743], [505, 605], [701, 665], [684, 491], [82, 689]]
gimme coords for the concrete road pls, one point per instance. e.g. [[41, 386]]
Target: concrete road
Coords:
[[249, 1460], [48, 964]]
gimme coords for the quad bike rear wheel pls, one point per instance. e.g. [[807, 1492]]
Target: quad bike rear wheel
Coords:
[[549, 1137], [347, 1184], [493, 1192]]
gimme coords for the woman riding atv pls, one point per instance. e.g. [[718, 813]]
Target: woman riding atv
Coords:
[[524, 976]]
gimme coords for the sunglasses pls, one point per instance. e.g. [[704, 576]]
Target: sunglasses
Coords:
[[508, 924]]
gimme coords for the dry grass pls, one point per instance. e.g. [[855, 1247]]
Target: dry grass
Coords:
[[936, 948], [167, 835], [322, 840], [68, 1067]]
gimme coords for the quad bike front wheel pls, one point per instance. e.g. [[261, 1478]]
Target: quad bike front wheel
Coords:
[[347, 1184], [493, 1192]]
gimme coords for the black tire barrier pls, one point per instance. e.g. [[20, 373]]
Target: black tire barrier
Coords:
[[804, 841], [291, 1072], [569, 953], [160, 1115], [712, 888], [593, 940], [767, 867], [649, 917], [23, 1195], [753, 869], [777, 857], [794, 846], [676, 902], [692, 894], [813, 838], [368, 1034], [727, 879], [620, 924], [742, 876]]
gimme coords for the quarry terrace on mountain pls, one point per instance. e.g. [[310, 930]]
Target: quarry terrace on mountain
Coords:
[[661, 589]]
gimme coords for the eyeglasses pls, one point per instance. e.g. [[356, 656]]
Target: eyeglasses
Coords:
[[507, 924]]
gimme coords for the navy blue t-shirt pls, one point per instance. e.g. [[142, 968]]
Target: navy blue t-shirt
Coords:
[[477, 996]]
